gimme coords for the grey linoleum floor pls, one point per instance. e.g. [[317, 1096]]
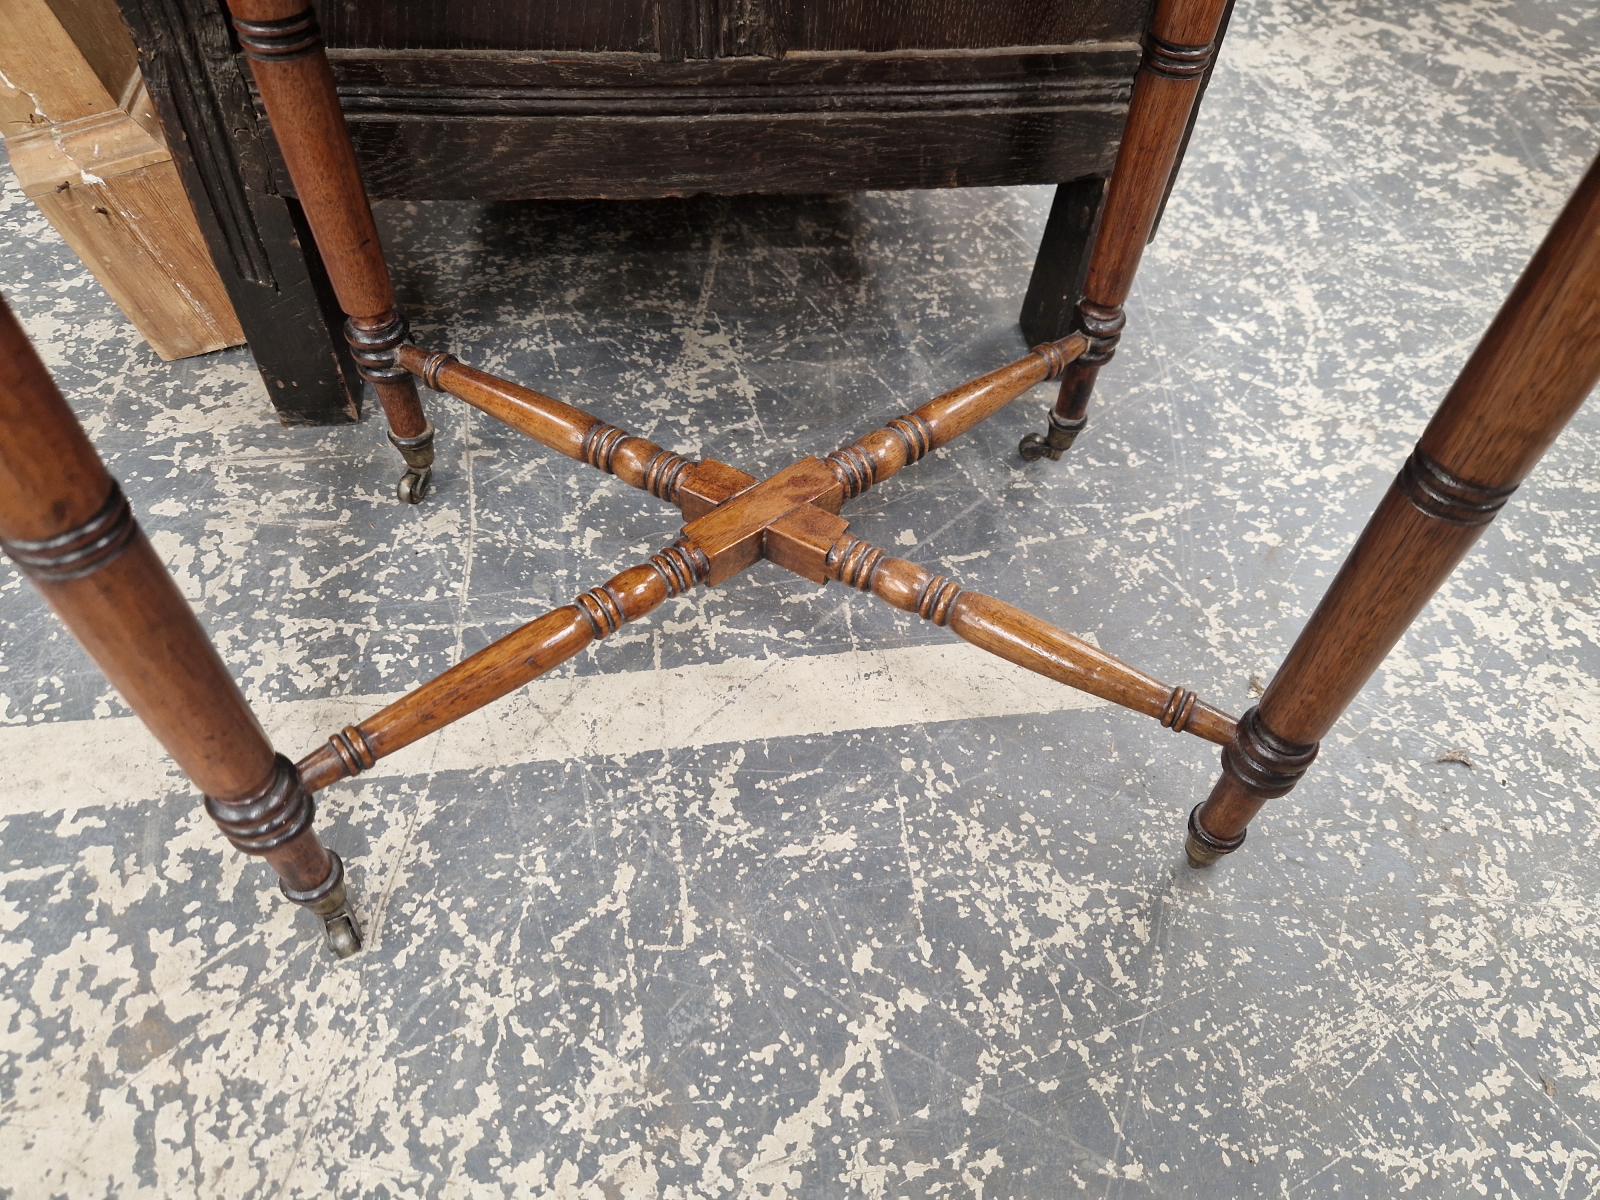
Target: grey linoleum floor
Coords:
[[777, 894]]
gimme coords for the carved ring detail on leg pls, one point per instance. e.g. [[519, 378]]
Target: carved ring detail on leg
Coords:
[[1266, 765], [373, 348], [81, 551], [281, 40], [275, 815], [280, 811], [1437, 493]]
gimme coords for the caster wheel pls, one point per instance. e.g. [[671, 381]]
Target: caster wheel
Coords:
[[1200, 848], [414, 485], [1034, 446], [1199, 856], [343, 939]]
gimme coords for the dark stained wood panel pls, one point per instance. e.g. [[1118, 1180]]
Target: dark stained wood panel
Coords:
[[637, 99], [703, 29], [557, 158], [618, 25], [885, 25], [257, 237], [452, 125], [1096, 65]]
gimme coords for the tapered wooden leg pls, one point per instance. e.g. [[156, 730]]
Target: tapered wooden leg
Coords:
[[1178, 52], [284, 46], [1534, 367], [65, 524]]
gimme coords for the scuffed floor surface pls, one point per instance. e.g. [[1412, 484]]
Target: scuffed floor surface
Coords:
[[776, 894]]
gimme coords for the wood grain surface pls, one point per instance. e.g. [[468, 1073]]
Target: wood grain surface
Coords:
[[65, 523], [1531, 371]]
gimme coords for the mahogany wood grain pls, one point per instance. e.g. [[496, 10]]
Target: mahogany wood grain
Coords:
[[733, 535], [545, 419], [501, 668], [51, 479], [733, 521], [1529, 374], [66, 525], [700, 487], [1179, 50], [565, 429], [284, 49], [871, 459], [283, 45], [707, 484], [801, 539], [1021, 638]]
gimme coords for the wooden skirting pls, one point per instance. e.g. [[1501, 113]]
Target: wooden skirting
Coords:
[[451, 124]]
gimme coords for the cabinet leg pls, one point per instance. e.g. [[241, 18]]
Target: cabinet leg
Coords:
[[258, 239], [1529, 374], [66, 525], [1050, 309]]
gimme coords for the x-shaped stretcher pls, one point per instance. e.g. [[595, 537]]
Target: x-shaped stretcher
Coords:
[[732, 522]]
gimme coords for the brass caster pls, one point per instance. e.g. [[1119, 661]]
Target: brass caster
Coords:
[[1056, 440], [342, 932], [1200, 848], [330, 902], [1033, 447], [418, 453], [1199, 856], [414, 485]]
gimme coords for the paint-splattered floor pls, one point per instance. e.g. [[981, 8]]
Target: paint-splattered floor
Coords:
[[895, 926]]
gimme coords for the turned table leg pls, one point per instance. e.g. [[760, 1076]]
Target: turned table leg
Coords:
[[1522, 384], [284, 46], [1178, 52], [66, 525]]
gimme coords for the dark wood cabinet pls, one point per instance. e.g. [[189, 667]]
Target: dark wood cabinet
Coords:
[[475, 100], [635, 98], [708, 29]]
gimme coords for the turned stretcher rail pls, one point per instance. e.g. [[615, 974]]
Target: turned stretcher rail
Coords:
[[699, 487], [813, 543], [875, 456], [734, 521], [1022, 638], [500, 669], [567, 430]]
